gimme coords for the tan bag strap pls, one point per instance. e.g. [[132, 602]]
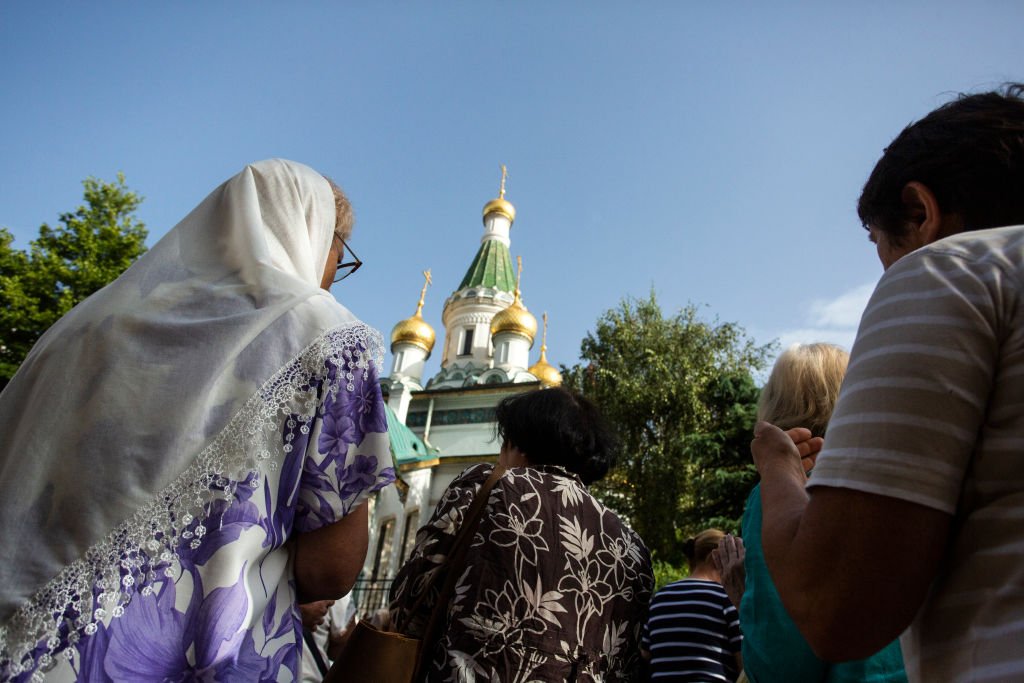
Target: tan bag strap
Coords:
[[455, 562]]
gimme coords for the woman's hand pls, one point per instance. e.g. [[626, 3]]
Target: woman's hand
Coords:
[[314, 613], [795, 450], [728, 559]]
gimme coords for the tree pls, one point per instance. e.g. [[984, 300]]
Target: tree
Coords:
[[681, 394], [88, 249]]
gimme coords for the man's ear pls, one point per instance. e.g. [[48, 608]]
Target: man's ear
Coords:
[[927, 222]]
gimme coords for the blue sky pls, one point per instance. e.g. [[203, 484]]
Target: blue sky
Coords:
[[710, 151]]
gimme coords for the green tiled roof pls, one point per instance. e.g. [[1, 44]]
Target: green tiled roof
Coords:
[[492, 267], [405, 446]]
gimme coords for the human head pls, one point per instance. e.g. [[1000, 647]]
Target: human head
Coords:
[[699, 548], [803, 387], [968, 154], [344, 221], [557, 427]]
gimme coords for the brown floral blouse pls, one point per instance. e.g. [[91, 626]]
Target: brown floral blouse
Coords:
[[556, 586]]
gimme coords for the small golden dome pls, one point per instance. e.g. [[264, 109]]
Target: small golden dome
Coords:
[[542, 370], [415, 331], [502, 206], [548, 375], [516, 319]]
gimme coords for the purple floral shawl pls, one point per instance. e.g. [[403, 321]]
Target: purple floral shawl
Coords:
[[222, 607]]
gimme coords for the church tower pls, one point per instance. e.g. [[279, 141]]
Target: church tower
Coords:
[[486, 289], [438, 426]]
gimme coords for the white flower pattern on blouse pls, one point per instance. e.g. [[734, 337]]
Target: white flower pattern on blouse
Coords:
[[556, 586]]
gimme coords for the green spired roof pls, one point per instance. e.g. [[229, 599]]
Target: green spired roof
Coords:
[[405, 446], [492, 267]]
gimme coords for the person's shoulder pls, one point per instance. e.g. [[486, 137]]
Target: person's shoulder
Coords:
[[993, 248], [980, 242], [461, 491], [975, 268], [328, 333], [474, 475], [691, 585]]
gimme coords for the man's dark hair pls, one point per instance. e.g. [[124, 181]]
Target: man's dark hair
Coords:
[[557, 427], [968, 152]]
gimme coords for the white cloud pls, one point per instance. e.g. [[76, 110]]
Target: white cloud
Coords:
[[809, 335], [843, 311], [832, 320]]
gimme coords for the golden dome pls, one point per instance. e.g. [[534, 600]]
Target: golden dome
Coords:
[[548, 375], [502, 206], [516, 319], [415, 330]]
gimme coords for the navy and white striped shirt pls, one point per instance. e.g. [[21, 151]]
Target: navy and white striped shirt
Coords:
[[693, 633]]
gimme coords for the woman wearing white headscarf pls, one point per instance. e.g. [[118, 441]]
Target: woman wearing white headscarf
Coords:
[[165, 440]]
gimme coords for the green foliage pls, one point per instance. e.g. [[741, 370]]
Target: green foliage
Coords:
[[721, 471], [665, 573], [88, 249], [679, 391]]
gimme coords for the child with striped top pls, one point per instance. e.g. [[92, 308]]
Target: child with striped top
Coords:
[[692, 633]]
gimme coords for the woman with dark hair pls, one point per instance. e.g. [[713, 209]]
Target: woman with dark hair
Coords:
[[556, 586]]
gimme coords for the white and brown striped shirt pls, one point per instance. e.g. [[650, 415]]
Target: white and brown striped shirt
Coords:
[[932, 412]]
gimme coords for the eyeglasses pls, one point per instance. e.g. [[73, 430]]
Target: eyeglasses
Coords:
[[346, 268]]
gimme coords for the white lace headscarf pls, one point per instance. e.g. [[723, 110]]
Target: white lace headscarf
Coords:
[[147, 392]]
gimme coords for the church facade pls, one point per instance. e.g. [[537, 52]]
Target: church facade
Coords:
[[441, 425]]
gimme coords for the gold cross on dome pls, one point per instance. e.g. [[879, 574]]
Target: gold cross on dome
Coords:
[[504, 177], [427, 280]]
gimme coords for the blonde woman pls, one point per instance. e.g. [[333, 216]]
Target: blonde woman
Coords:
[[801, 392]]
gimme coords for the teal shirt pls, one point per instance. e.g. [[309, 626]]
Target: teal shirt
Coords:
[[773, 649]]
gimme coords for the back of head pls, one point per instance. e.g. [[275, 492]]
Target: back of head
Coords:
[[968, 152], [803, 387], [557, 427], [699, 548], [344, 218]]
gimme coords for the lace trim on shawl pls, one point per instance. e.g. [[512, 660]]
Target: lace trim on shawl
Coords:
[[103, 580]]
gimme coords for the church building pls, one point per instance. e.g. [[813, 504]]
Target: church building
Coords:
[[441, 425]]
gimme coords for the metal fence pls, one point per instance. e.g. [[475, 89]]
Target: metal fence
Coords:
[[370, 595]]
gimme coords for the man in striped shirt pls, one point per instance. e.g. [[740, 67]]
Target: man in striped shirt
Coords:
[[913, 521]]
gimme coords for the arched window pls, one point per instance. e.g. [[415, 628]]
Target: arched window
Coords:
[[466, 348], [412, 523], [385, 542]]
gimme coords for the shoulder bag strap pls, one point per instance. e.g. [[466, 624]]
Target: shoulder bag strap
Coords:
[[314, 650], [474, 510], [456, 562]]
